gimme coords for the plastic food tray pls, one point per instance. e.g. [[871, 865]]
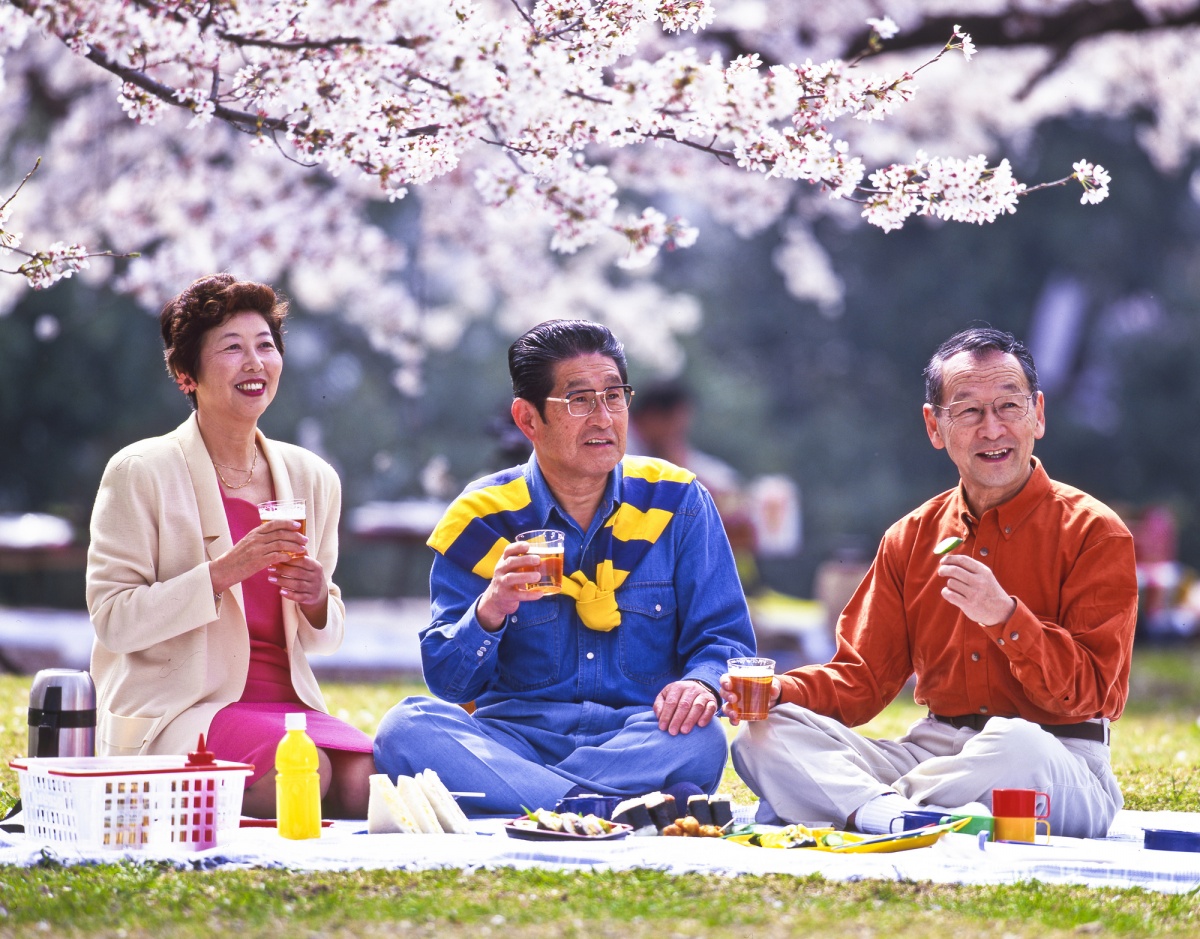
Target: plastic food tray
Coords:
[[130, 802]]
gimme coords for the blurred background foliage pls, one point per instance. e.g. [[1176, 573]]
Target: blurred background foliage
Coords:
[[1105, 295]]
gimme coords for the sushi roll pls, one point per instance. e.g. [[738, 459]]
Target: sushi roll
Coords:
[[663, 809], [699, 809], [551, 821], [722, 811], [572, 824], [592, 826], [633, 812]]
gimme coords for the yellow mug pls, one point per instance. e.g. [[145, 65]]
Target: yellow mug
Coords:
[[1020, 829]]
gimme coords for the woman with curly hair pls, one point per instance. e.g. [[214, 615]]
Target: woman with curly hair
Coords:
[[204, 615]]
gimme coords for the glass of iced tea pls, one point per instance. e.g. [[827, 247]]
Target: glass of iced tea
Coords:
[[546, 546], [750, 679], [292, 510]]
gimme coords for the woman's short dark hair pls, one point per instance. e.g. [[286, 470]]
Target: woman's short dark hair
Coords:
[[532, 358], [207, 303], [977, 340]]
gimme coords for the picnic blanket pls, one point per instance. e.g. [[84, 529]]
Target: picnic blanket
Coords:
[[1120, 860]]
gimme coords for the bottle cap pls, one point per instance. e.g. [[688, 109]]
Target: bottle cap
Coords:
[[295, 720], [201, 756]]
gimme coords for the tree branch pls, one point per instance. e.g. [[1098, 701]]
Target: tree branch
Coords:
[[241, 119], [1060, 31], [297, 45], [1070, 26]]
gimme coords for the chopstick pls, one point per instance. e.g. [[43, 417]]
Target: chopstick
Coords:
[[468, 795]]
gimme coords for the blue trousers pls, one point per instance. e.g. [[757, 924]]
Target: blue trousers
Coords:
[[519, 766]]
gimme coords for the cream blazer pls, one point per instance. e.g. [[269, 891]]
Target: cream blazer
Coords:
[[168, 654]]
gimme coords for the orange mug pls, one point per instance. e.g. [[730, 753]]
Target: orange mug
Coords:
[[1019, 812], [1020, 829]]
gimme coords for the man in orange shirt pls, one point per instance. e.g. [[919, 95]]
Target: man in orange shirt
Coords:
[[1020, 638]]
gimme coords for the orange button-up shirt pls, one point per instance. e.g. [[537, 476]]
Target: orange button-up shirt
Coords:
[[1063, 656]]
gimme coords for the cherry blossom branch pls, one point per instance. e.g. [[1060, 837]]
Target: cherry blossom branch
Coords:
[[962, 190], [559, 88], [1091, 176], [20, 186], [243, 120], [45, 267]]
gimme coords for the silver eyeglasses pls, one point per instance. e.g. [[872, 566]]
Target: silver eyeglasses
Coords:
[[582, 403], [1009, 408]]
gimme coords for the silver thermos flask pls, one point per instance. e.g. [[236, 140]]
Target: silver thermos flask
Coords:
[[62, 713]]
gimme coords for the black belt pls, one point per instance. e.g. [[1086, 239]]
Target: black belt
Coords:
[[1087, 730]]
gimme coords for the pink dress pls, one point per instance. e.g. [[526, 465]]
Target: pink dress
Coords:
[[249, 730]]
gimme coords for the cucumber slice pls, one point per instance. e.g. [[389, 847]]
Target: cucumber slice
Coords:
[[946, 545]]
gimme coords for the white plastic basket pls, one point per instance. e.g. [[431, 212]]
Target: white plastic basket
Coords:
[[130, 802]]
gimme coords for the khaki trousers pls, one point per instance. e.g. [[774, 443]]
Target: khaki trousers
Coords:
[[809, 768]]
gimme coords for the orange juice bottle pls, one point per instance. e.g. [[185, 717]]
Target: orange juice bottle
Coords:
[[297, 783]]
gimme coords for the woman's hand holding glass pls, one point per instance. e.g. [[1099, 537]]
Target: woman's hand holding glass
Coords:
[[271, 546], [302, 579]]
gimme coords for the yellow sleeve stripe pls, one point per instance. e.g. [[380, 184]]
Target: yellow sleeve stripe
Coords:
[[487, 564], [654, 470], [507, 497]]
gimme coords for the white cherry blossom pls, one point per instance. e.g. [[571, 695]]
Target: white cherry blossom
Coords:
[[525, 141]]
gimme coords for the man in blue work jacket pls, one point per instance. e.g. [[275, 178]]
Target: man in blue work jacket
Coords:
[[611, 685]]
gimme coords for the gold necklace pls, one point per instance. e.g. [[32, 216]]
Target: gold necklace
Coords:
[[253, 464]]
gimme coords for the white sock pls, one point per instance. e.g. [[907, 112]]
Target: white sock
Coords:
[[877, 816]]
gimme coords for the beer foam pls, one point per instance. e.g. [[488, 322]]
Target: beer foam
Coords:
[[293, 513], [752, 671], [544, 550]]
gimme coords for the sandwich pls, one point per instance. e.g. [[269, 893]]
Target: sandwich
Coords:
[[418, 805], [386, 811], [449, 815]]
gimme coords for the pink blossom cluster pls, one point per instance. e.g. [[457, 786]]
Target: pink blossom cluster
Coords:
[[1094, 179], [57, 262], [954, 190]]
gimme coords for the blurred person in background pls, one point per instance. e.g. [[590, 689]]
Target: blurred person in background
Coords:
[[660, 425], [761, 518], [203, 615]]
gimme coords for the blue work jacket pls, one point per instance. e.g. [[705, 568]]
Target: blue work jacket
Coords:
[[683, 614]]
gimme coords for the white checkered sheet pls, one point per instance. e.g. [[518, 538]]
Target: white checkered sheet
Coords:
[[1118, 861]]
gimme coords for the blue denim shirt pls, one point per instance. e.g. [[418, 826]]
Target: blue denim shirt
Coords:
[[682, 609]]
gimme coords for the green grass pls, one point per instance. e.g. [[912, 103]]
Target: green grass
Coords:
[[1156, 756]]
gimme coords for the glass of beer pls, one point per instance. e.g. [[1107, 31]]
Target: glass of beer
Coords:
[[292, 510], [750, 680], [546, 547]]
